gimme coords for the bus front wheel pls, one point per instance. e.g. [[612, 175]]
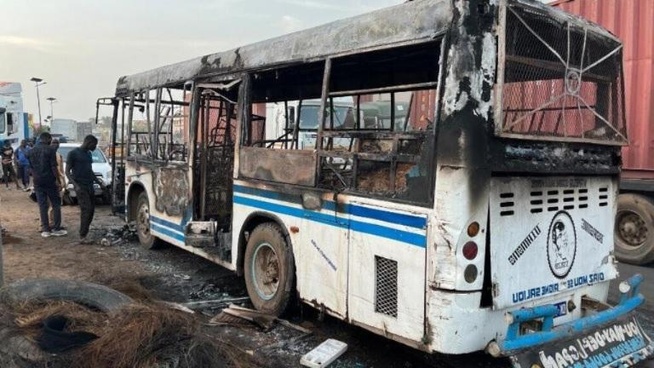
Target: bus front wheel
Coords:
[[269, 269], [634, 229], [143, 232]]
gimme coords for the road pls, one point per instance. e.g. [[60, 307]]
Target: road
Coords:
[[647, 288], [283, 347]]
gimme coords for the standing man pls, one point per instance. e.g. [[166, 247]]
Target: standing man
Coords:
[[43, 164], [61, 179], [8, 172], [23, 163], [79, 171]]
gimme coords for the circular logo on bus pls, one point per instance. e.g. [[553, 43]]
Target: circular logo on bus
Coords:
[[561, 244]]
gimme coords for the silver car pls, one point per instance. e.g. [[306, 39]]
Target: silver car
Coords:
[[101, 168]]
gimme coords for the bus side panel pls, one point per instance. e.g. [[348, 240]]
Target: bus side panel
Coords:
[[318, 238], [387, 283], [322, 270], [163, 225]]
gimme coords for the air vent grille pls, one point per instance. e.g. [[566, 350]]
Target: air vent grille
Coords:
[[386, 286]]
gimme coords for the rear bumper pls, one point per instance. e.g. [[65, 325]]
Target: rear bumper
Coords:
[[610, 334]]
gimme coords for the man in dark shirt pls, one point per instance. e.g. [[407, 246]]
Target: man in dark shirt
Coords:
[[79, 170], [8, 164], [43, 164]]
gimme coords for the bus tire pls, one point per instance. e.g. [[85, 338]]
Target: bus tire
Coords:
[[269, 269], [634, 229], [143, 229]]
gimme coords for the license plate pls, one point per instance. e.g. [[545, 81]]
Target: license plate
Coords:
[[620, 343], [562, 309]]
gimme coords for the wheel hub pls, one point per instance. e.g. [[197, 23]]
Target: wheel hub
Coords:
[[144, 220], [632, 229], [266, 271]]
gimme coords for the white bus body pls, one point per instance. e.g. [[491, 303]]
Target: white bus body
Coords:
[[465, 203]]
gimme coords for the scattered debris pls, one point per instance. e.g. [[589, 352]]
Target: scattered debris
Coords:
[[215, 303], [178, 306], [263, 320], [324, 354], [119, 235]]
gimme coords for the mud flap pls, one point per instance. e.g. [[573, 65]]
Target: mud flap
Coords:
[[619, 343]]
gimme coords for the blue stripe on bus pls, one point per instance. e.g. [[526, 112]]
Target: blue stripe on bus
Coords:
[[267, 194], [392, 217], [418, 240], [417, 222], [166, 231], [166, 223]]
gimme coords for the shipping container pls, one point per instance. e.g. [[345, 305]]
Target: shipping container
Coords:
[[66, 127], [633, 22]]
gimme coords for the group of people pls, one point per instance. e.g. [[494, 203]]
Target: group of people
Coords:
[[45, 166], [19, 159]]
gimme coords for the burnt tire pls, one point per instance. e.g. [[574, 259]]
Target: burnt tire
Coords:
[[634, 229], [91, 295], [143, 226], [17, 350], [269, 269]]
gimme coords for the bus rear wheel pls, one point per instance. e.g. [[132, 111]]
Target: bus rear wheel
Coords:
[[269, 269], [143, 231], [634, 229]]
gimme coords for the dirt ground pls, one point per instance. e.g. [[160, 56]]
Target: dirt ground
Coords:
[[171, 274]]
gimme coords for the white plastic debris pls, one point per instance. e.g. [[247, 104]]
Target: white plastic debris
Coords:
[[324, 354]]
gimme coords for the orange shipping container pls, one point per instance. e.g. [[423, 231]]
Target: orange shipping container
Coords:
[[633, 22]]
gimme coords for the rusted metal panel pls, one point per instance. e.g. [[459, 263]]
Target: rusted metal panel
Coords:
[[631, 21], [171, 189], [281, 166], [420, 21]]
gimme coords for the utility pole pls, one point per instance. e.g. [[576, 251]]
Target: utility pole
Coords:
[[52, 100], [38, 82]]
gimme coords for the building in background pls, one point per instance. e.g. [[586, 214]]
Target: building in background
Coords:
[[84, 128], [65, 128]]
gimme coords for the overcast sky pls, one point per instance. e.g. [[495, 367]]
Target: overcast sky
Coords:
[[81, 47]]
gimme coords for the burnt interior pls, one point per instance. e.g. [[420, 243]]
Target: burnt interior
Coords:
[[376, 136]]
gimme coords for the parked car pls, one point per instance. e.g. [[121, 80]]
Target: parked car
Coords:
[[101, 168]]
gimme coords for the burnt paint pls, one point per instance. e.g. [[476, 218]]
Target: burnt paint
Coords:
[[463, 135], [515, 156], [421, 21], [171, 189]]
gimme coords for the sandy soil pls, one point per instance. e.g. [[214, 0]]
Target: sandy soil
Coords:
[[174, 275], [28, 255]]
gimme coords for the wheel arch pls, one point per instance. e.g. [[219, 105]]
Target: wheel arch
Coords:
[[135, 189], [253, 220]]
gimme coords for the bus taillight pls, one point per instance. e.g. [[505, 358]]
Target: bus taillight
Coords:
[[473, 229], [470, 250]]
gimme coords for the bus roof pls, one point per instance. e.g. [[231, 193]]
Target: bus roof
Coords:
[[420, 21]]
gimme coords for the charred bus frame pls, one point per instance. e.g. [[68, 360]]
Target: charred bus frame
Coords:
[[515, 115]]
